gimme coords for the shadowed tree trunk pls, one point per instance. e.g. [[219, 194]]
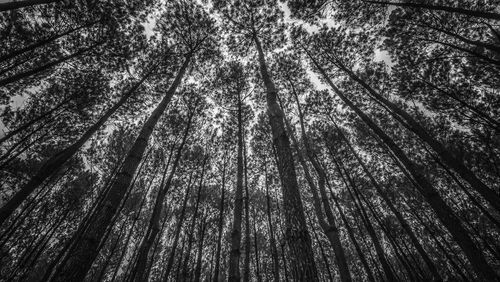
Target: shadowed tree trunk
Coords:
[[297, 235], [55, 163], [442, 210], [85, 251]]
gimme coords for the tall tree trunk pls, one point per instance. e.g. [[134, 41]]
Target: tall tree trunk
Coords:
[[348, 182], [13, 4], [272, 240], [171, 257], [248, 252], [235, 249], [442, 210], [350, 232], [85, 251], [256, 248], [201, 238], [330, 228], [399, 216], [53, 164], [154, 223], [297, 235], [185, 271], [47, 66], [444, 154], [43, 42], [220, 225], [472, 13]]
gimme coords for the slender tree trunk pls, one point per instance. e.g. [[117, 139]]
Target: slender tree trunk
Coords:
[[256, 248], [399, 216], [42, 42], [201, 238], [221, 225], [442, 210], [47, 66], [37, 119], [389, 275], [272, 240], [445, 155], [297, 235], [12, 4], [171, 257], [248, 252], [472, 13], [185, 265], [329, 228], [85, 251], [154, 223], [235, 249], [350, 232], [53, 164]]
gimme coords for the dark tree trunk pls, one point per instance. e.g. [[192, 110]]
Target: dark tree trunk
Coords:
[[47, 66], [297, 235], [235, 249], [53, 164], [85, 252], [272, 240], [442, 210], [220, 225]]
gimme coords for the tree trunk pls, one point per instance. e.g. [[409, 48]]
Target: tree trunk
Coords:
[[235, 249], [42, 42], [85, 252], [171, 257], [220, 225], [201, 237], [297, 235], [272, 240], [154, 223], [399, 216], [442, 210], [47, 66], [248, 252], [53, 164], [445, 155]]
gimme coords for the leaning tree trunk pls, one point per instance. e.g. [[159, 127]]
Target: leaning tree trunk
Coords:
[[297, 235], [399, 216], [444, 154], [53, 164], [154, 223], [85, 250], [440, 207], [329, 226]]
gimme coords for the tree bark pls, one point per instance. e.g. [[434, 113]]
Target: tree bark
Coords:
[[154, 223], [53, 164], [302, 263], [13, 5], [444, 154], [441, 208], [235, 249], [85, 251]]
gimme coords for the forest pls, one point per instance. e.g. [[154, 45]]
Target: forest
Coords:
[[249, 140]]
